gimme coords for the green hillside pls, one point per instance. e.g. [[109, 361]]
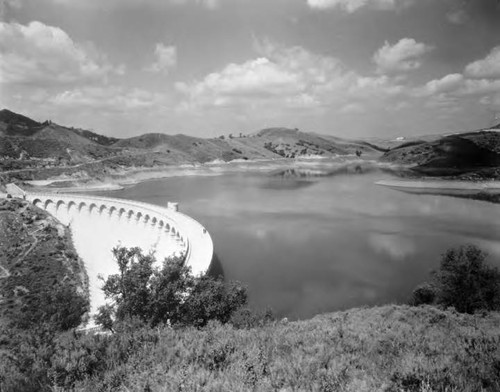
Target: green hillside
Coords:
[[37, 258], [390, 348], [450, 155], [32, 150]]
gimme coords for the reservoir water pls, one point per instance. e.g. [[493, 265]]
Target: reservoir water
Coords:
[[313, 239]]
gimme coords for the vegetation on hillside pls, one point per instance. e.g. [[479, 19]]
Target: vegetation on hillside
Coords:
[[43, 292], [43, 277], [171, 331], [30, 150], [463, 281], [391, 348], [473, 154], [168, 295]]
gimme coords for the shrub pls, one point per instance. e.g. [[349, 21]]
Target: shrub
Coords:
[[168, 295], [465, 282], [246, 318], [424, 294], [61, 307], [212, 299]]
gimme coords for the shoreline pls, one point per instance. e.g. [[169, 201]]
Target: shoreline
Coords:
[[127, 177], [133, 176], [452, 187]]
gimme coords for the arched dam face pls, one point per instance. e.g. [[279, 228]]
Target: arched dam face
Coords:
[[98, 224]]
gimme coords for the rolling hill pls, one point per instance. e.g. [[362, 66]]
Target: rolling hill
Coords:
[[13, 124], [23, 138], [450, 154], [28, 146]]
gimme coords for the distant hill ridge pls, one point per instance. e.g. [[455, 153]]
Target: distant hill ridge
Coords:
[[27, 145], [6, 116], [18, 132]]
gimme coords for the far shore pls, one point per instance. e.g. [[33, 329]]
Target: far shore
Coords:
[[132, 176]]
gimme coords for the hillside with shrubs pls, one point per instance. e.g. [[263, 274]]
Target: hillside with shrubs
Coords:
[[32, 150], [166, 330]]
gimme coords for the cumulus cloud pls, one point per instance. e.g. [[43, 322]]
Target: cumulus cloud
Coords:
[[255, 80], [166, 58], [259, 77], [354, 5], [290, 74], [287, 78], [405, 55], [37, 53], [458, 85], [479, 78], [489, 67], [446, 84], [480, 87]]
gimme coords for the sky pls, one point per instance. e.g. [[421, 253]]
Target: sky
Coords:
[[348, 68]]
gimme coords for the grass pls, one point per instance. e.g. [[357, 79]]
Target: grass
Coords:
[[389, 348]]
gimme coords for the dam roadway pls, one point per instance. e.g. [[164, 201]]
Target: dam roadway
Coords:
[[100, 223]]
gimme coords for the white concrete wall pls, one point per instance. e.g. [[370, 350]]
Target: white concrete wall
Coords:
[[99, 223]]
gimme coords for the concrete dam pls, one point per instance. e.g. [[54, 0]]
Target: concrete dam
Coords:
[[98, 224]]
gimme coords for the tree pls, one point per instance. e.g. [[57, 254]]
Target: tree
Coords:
[[463, 281], [466, 282], [169, 288], [170, 294], [212, 299], [129, 289]]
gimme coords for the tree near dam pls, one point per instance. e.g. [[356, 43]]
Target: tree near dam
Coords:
[[170, 294], [464, 281]]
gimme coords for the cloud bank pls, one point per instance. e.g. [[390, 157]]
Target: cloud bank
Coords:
[[39, 54]]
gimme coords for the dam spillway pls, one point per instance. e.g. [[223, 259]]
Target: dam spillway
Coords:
[[98, 224]]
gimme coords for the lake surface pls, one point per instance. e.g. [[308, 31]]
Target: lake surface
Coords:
[[305, 245]]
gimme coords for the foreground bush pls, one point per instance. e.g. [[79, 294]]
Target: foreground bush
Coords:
[[463, 281], [167, 295]]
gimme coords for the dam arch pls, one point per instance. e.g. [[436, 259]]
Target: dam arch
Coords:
[[114, 221], [177, 224]]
